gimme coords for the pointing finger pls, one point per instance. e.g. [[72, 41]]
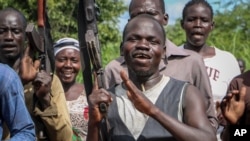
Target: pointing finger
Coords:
[[217, 105], [242, 93], [27, 51], [124, 76], [130, 85], [126, 80], [37, 64]]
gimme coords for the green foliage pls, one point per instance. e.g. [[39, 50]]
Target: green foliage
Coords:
[[63, 20], [175, 33], [231, 32]]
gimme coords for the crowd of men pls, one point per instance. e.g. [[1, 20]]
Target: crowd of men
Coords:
[[155, 90]]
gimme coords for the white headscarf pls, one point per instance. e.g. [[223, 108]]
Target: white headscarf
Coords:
[[65, 43]]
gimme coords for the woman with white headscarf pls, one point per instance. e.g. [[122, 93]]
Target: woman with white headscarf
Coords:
[[67, 62]]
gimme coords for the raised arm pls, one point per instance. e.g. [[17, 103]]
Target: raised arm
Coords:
[[233, 105], [54, 112], [193, 128]]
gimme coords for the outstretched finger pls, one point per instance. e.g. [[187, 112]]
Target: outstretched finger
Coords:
[[124, 76], [242, 93], [27, 51], [37, 64], [130, 85], [126, 80], [217, 105], [223, 104]]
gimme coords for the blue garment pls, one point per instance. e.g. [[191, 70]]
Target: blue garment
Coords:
[[12, 107]]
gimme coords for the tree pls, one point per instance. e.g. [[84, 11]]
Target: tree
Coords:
[[232, 31], [63, 20]]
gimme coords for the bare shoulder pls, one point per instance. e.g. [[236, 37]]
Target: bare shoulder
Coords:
[[193, 96]]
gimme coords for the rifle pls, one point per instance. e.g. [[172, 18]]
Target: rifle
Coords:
[[90, 46], [41, 44], [41, 40]]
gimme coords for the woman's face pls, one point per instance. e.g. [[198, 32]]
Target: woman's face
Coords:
[[67, 64]]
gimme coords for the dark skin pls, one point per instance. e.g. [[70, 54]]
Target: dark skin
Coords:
[[198, 23], [12, 45], [233, 105], [151, 7], [42, 85], [12, 37], [232, 108], [68, 65], [28, 67], [142, 54], [143, 45]]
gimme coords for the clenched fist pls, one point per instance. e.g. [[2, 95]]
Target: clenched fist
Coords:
[[42, 87]]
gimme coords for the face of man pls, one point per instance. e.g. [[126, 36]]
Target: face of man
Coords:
[[151, 7], [197, 24], [12, 36], [143, 45]]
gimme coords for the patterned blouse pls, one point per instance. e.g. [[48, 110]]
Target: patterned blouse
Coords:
[[78, 110]]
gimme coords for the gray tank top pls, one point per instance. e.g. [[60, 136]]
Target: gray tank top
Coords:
[[168, 102]]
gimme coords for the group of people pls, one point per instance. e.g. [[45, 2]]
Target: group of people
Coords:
[[155, 89]]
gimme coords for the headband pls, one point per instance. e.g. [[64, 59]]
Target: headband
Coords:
[[65, 43]]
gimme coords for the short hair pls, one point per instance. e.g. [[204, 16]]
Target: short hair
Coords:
[[194, 2], [145, 16], [11, 9], [161, 3]]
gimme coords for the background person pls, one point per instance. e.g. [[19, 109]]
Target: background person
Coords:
[[197, 22], [68, 65]]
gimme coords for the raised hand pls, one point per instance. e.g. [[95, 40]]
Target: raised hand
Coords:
[[28, 68], [95, 98], [233, 105], [42, 87], [141, 103]]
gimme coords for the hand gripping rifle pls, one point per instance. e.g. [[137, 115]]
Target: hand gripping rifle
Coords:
[[41, 44], [91, 53], [41, 40], [90, 46]]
